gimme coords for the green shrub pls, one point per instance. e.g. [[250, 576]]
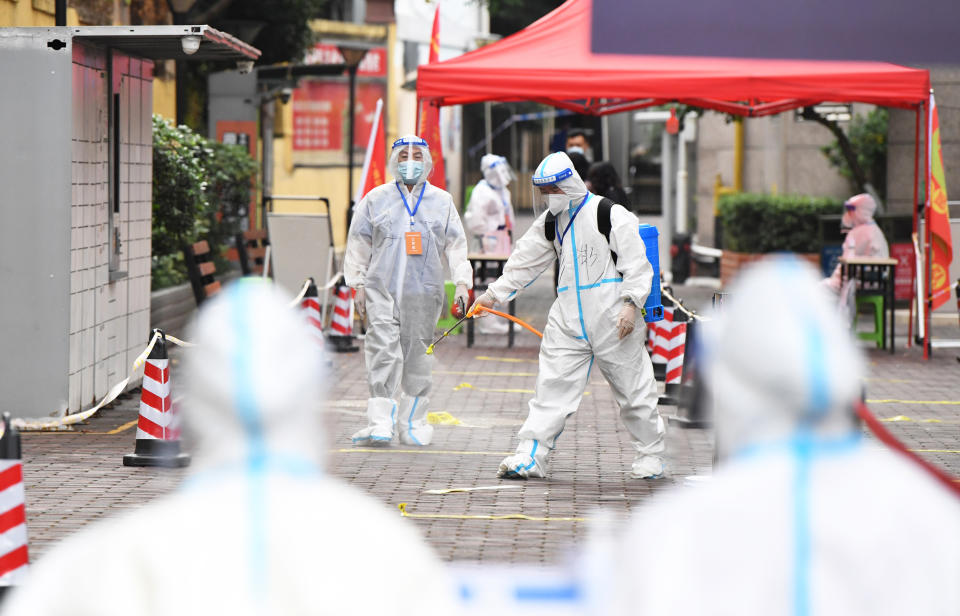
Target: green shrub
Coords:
[[755, 223], [201, 189]]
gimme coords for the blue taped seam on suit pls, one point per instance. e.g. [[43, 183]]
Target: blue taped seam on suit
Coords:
[[410, 421]]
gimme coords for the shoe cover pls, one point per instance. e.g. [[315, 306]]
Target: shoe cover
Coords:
[[412, 421], [647, 467], [529, 461], [381, 414]]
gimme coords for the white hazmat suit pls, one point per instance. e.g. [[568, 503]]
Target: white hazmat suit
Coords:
[[489, 214], [802, 516], [257, 529], [403, 291], [585, 322], [865, 239]]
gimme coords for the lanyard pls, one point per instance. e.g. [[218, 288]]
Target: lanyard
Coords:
[[417, 206], [560, 236]]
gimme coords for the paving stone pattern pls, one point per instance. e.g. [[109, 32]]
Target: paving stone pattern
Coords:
[[75, 478]]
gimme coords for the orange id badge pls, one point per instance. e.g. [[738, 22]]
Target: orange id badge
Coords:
[[413, 242]]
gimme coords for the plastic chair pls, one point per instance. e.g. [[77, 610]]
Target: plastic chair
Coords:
[[877, 303], [447, 320]]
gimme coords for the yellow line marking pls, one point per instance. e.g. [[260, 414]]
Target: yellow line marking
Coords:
[[508, 360], [424, 451], [895, 401], [75, 431], [510, 516], [936, 450], [125, 426], [500, 391], [477, 373], [478, 489], [905, 418]]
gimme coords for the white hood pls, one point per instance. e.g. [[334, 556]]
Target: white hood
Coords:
[[254, 381]]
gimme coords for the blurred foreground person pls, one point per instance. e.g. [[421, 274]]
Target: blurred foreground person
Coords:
[[864, 237], [402, 234], [605, 278], [257, 529], [802, 516]]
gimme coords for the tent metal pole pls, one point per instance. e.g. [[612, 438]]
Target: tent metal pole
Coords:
[[916, 197]]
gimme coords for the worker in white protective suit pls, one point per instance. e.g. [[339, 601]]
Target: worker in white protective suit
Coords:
[[803, 515], [489, 219], [489, 215], [593, 320], [864, 237], [401, 236], [257, 528]]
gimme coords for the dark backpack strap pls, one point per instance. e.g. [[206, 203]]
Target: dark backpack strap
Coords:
[[550, 227], [603, 222]]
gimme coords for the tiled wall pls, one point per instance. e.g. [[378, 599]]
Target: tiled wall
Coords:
[[109, 321]]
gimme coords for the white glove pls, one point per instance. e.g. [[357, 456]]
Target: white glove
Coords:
[[485, 300], [360, 303], [460, 298], [625, 322]]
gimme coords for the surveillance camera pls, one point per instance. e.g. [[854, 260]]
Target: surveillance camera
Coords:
[[244, 66], [190, 44], [285, 95]]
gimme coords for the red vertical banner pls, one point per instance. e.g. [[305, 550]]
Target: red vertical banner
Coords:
[[938, 216], [428, 121]]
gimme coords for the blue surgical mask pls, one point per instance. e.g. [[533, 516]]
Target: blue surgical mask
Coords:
[[410, 171]]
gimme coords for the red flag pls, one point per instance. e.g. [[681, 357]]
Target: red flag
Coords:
[[429, 120], [374, 164], [939, 215]]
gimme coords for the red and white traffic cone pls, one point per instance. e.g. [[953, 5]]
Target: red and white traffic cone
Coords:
[[158, 429], [658, 335], [310, 308], [13, 514], [341, 322], [667, 353]]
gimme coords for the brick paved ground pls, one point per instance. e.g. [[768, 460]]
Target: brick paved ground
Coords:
[[75, 478]]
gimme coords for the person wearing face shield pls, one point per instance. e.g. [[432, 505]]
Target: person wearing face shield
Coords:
[[864, 237], [602, 288], [489, 216], [803, 515], [402, 235], [242, 533]]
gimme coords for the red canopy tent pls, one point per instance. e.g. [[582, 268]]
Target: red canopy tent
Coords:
[[550, 62]]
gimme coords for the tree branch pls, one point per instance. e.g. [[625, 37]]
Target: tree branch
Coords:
[[205, 17], [844, 142]]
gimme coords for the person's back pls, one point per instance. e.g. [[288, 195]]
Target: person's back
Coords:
[[257, 528], [881, 537], [802, 516]]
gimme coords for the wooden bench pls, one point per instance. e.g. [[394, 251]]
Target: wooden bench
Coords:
[[201, 269], [252, 250]]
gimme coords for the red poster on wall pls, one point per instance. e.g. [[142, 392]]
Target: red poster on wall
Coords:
[[320, 108], [320, 117], [903, 282]]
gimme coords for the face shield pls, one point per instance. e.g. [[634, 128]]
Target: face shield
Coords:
[[556, 184], [497, 171], [846, 221], [410, 160]]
